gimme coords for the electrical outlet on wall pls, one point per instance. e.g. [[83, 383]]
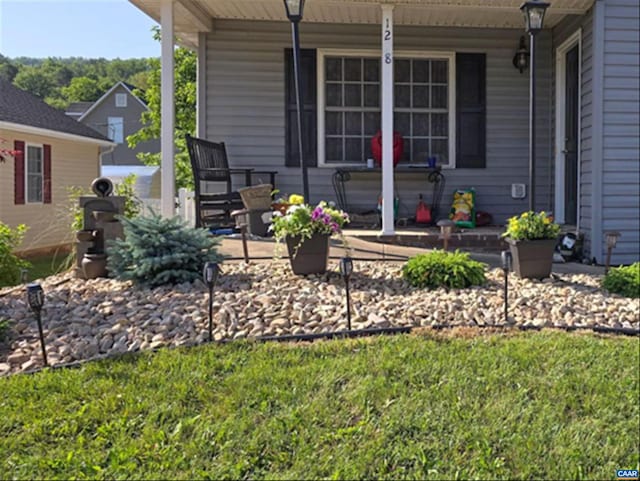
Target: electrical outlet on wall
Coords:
[[518, 191]]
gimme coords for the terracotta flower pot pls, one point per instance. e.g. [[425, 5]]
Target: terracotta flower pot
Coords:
[[532, 259], [309, 256], [280, 207]]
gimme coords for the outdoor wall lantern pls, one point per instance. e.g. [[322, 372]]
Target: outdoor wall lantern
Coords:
[[35, 299], [210, 275], [521, 58], [611, 238], [506, 267], [446, 228], [533, 12], [294, 10], [346, 269]]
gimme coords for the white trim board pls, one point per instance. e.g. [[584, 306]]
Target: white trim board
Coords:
[[561, 51], [375, 53], [28, 129]]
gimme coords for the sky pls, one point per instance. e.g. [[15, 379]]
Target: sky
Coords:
[[75, 28]]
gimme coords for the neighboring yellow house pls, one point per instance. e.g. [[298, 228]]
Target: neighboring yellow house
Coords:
[[53, 153]]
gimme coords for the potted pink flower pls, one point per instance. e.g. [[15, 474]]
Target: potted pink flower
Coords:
[[306, 230]]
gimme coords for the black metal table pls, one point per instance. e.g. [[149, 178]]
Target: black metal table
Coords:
[[434, 176]]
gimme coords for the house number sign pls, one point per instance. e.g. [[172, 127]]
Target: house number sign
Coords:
[[387, 39]]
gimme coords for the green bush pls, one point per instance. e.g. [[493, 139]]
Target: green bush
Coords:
[[623, 280], [443, 269], [10, 264], [159, 251]]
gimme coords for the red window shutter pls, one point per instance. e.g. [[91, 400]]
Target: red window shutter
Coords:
[[46, 171], [18, 182]]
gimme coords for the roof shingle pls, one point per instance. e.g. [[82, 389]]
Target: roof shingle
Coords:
[[20, 107]]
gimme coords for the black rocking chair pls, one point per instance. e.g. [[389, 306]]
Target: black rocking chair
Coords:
[[210, 164]]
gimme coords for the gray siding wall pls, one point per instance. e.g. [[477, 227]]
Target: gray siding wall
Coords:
[[621, 112], [98, 120], [560, 33], [245, 109]]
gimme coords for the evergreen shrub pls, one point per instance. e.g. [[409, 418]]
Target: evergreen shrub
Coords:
[[157, 251], [443, 269], [10, 264], [623, 280]]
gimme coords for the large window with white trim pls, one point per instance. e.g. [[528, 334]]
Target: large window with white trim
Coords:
[[350, 99], [34, 173]]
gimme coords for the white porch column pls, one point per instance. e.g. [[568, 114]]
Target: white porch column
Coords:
[[201, 87], [167, 179], [387, 120]]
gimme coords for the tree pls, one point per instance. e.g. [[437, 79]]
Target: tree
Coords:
[[33, 80], [185, 112], [8, 70], [82, 89]]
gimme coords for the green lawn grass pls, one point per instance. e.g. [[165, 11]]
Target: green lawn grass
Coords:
[[527, 406]]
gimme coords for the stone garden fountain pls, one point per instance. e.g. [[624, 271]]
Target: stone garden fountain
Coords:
[[99, 225]]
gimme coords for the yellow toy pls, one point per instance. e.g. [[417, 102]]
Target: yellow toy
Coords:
[[463, 209]]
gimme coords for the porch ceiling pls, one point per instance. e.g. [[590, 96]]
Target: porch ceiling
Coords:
[[193, 16]]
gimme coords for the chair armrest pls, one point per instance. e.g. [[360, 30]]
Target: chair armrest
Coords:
[[231, 171]]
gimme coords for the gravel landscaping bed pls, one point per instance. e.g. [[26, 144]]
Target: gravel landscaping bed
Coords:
[[89, 319]]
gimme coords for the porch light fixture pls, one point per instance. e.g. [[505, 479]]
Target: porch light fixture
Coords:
[[346, 269], [35, 299], [611, 238], [210, 275], [294, 10], [533, 12], [521, 57]]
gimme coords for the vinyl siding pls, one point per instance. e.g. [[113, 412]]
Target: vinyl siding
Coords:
[[245, 109], [73, 163], [98, 120], [621, 144]]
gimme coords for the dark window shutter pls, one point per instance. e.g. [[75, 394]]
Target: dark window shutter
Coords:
[[18, 182], [46, 174], [309, 116], [471, 111]]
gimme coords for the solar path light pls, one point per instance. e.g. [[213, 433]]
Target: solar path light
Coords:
[[210, 275], [35, 299], [611, 238], [346, 268], [506, 267]]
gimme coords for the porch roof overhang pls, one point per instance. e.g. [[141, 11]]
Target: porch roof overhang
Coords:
[[194, 16]]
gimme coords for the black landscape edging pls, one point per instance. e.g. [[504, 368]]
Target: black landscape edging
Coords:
[[340, 335], [336, 334]]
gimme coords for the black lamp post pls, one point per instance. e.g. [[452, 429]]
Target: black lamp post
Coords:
[[506, 267], [210, 275], [35, 299], [521, 57], [534, 17], [294, 13], [346, 268]]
